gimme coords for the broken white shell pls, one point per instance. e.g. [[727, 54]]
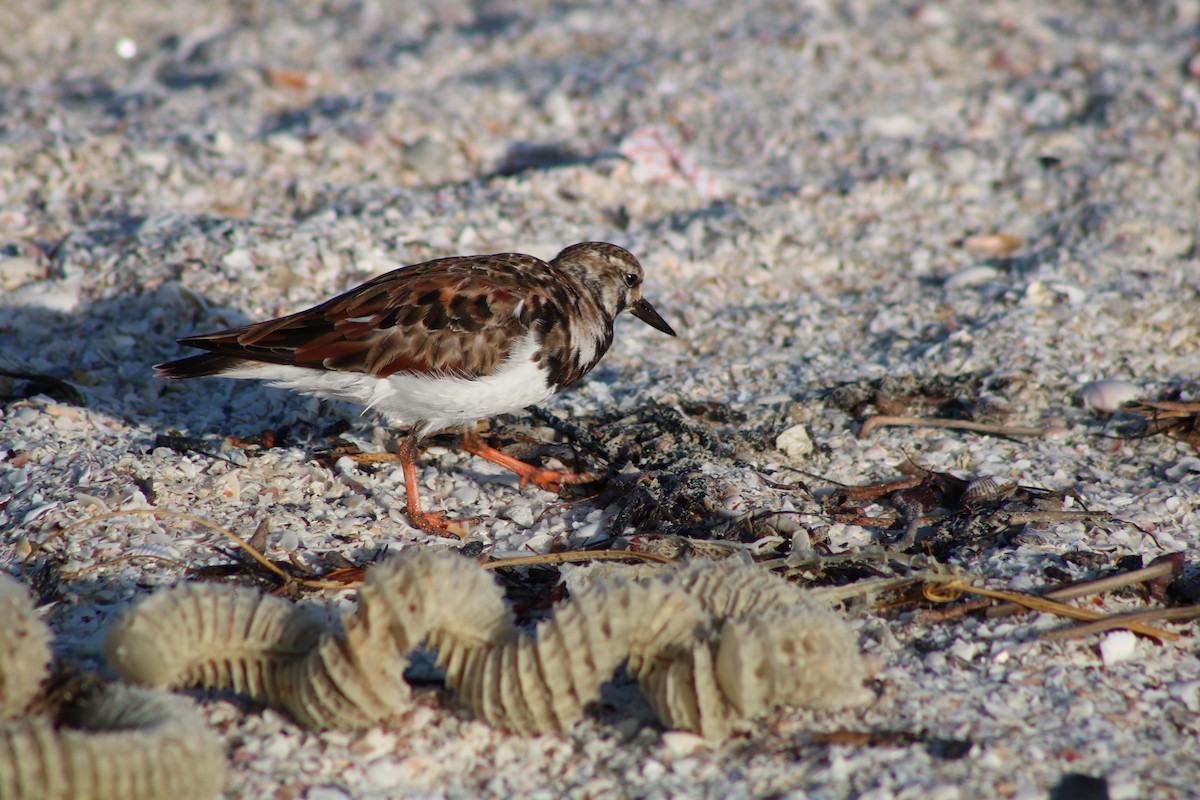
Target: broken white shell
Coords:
[[1105, 397]]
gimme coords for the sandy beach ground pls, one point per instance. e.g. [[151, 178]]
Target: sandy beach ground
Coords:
[[842, 207]]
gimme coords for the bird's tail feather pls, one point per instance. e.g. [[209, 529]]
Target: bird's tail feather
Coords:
[[201, 366]]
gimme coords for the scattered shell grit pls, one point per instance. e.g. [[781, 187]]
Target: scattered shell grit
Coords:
[[822, 194]]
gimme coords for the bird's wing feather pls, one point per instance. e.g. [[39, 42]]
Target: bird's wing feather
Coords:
[[453, 316]]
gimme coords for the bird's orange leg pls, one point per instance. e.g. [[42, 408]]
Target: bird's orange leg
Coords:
[[428, 521], [549, 479]]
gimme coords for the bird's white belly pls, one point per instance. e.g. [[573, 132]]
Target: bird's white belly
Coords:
[[432, 402]]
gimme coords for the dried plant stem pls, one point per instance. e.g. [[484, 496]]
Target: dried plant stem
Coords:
[[950, 591], [882, 421], [1127, 621], [577, 556], [1098, 586]]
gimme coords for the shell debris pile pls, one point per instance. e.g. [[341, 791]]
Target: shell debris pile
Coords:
[[129, 744], [710, 643]]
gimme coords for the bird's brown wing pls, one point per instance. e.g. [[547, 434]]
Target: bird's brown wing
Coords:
[[453, 316]]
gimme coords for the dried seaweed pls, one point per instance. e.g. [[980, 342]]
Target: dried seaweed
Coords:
[[941, 513], [1180, 420], [709, 643], [951, 396]]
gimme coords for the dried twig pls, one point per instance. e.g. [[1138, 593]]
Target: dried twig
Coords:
[[881, 421], [1158, 569], [947, 592], [1127, 621], [573, 556], [1161, 568]]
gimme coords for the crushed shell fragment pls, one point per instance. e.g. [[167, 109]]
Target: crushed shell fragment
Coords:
[[1105, 397]]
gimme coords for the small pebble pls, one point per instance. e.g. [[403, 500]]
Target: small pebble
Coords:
[[1105, 397], [894, 126], [19, 270], [522, 515]]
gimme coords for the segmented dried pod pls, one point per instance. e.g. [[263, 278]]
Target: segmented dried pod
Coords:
[[709, 643], [24, 648], [422, 596], [765, 644], [540, 684], [223, 637], [133, 744]]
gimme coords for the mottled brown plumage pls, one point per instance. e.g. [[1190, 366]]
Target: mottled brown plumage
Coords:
[[444, 343]]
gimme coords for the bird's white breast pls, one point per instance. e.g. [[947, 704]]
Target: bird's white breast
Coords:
[[431, 402]]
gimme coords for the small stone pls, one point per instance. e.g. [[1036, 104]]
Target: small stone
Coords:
[[427, 157], [467, 495], [682, 743], [19, 270], [326, 793], [238, 260], [894, 126]]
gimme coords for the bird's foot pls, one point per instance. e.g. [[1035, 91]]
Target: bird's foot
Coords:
[[439, 524], [552, 480], [549, 479]]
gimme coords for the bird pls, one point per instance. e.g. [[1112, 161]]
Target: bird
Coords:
[[442, 345]]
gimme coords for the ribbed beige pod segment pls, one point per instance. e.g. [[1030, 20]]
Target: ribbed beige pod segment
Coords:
[[211, 635], [765, 644], [541, 684], [356, 678], [136, 744], [24, 648]]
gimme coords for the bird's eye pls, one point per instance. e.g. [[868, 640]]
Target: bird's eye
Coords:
[[632, 279]]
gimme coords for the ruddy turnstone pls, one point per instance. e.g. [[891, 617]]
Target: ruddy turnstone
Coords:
[[444, 344]]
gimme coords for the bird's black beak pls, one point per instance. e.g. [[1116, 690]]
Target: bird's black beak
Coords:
[[646, 313]]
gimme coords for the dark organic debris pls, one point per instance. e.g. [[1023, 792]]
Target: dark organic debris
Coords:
[[654, 456], [1179, 420], [1077, 786], [37, 383], [186, 444], [949, 396], [941, 513], [947, 749]]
